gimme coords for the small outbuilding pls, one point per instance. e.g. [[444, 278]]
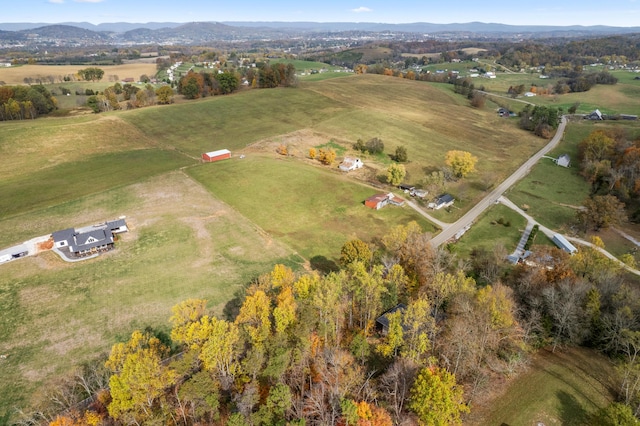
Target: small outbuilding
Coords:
[[221, 154], [564, 160], [594, 115], [378, 201], [350, 163], [564, 244]]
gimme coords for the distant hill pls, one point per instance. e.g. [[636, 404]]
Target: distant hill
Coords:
[[475, 27], [202, 32], [67, 32]]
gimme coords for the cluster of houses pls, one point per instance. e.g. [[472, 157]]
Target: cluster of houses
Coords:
[[380, 200], [172, 69]]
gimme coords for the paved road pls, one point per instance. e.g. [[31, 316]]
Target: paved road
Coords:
[[466, 220]]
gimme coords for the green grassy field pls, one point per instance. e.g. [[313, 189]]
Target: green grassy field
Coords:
[[182, 243], [561, 388], [620, 98], [487, 233], [312, 209], [232, 122], [68, 181], [551, 194]]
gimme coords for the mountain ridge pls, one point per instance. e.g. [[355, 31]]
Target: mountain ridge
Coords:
[[121, 27]]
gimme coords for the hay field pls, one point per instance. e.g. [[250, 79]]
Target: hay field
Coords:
[[16, 74]]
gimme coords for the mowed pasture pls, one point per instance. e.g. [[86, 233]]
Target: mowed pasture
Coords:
[[314, 210], [58, 160], [499, 229], [17, 74], [182, 243]]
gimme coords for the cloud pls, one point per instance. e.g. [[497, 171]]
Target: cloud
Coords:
[[361, 9], [88, 1], [56, 1]]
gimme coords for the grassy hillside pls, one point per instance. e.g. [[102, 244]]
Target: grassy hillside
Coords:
[[561, 388], [621, 98], [185, 242]]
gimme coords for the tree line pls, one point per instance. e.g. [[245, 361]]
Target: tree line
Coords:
[[610, 162], [25, 102]]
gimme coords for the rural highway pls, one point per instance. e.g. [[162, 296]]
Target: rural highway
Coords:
[[466, 220]]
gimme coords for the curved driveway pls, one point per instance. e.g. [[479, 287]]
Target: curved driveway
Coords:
[[449, 231]]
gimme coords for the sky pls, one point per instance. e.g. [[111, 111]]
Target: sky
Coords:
[[620, 13]]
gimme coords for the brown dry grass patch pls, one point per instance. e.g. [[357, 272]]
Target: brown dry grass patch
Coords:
[[16, 75]]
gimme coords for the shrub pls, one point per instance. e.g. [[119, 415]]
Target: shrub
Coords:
[[375, 146], [401, 154], [282, 149], [327, 156]]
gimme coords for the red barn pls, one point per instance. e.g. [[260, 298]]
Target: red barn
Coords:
[[221, 154]]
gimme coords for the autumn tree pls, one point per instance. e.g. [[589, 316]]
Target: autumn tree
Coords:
[[396, 174], [461, 162], [183, 315], [419, 327], [139, 378], [91, 74], [601, 211], [478, 100], [191, 85], [164, 95], [361, 69], [355, 250], [597, 146], [326, 156], [436, 398], [255, 318], [393, 340]]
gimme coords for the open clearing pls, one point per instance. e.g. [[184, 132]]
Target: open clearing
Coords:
[[17, 74], [499, 229], [561, 388], [310, 208]]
